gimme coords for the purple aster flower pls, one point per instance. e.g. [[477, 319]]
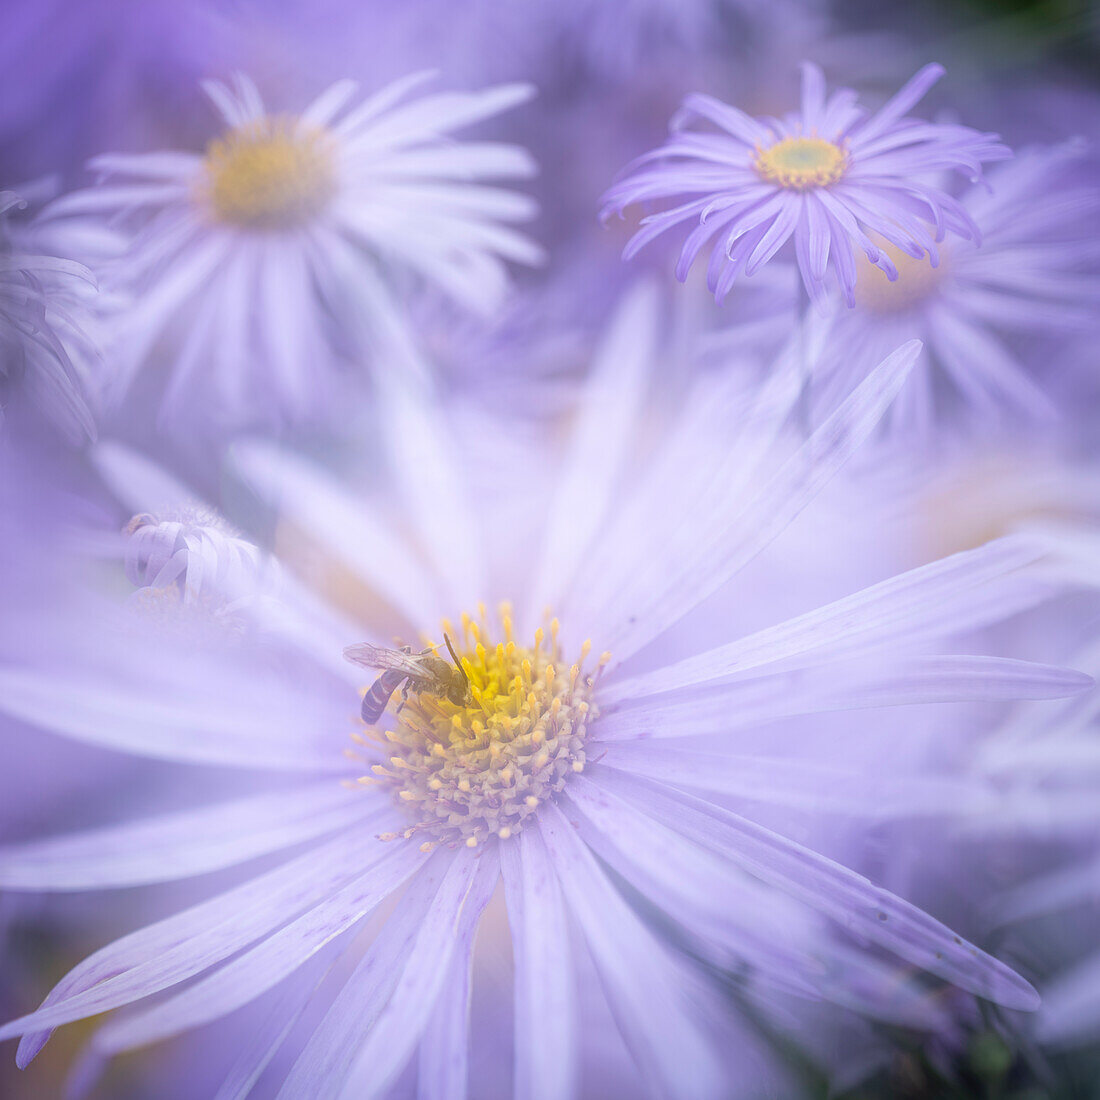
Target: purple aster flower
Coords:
[[991, 318], [830, 176], [258, 270], [516, 753], [45, 353]]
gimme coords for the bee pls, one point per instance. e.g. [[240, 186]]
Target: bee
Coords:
[[419, 672]]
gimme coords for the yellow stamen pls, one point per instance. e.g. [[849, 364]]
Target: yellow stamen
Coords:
[[477, 769], [802, 163], [269, 174]]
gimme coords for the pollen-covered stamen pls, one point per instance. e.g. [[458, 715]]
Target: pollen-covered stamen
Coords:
[[468, 771], [802, 163], [269, 174]]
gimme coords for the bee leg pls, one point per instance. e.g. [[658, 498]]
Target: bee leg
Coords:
[[404, 696]]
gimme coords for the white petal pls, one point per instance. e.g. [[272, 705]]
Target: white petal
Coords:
[[443, 1069], [264, 1041], [169, 164], [545, 998], [328, 104], [285, 301], [710, 896], [358, 536], [168, 952], [436, 498], [434, 115], [813, 787], [724, 543], [141, 485], [952, 594], [250, 103], [618, 566], [470, 160], [386, 866], [179, 845], [241, 720], [739, 925], [446, 933], [113, 198], [911, 93], [831, 686], [382, 100], [326, 1058], [598, 451], [194, 270], [658, 1009], [226, 103], [857, 905]]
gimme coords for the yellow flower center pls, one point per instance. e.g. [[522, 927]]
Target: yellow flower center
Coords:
[[478, 768], [800, 164], [916, 280], [269, 174]]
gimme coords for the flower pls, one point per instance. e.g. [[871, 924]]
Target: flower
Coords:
[[44, 351], [259, 267], [829, 175], [991, 318], [501, 745]]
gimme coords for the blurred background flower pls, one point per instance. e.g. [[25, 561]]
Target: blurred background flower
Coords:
[[252, 273]]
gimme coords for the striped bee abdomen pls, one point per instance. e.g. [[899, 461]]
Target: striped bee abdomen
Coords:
[[374, 702]]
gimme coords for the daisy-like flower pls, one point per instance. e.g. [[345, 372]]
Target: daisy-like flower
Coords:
[[522, 746], [45, 353], [992, 317], [832, 176], [261, 266]]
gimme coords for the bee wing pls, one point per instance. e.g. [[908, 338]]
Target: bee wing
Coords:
[[372, 656]]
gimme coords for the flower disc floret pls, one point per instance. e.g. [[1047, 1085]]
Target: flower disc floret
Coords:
[[799, 163], [271, 173], [480, 768]]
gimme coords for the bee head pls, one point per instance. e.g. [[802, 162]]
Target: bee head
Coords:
[[459, 690]]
